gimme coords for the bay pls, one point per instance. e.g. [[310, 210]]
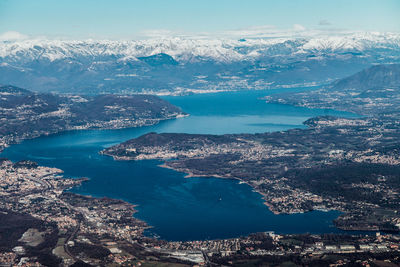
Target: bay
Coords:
[[181, 208]]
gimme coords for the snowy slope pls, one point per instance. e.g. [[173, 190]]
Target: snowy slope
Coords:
[[190, 65], [187, 50]]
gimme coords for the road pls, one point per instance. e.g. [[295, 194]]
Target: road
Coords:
[[70, 238]]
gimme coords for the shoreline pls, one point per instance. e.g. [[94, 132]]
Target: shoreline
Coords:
[[192, 175], [266, 203], [149, 122], [128, 204]]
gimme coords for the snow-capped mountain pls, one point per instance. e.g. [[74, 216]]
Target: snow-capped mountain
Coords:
[[190, 64], [186, 49]]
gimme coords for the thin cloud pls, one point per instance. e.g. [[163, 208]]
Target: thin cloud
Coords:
[[254, 32], [159, 33], [299, 27], [324, 22], [12, 36]]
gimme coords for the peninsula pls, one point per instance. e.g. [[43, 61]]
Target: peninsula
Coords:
[[42, 224], [346, 164], [25, 114]]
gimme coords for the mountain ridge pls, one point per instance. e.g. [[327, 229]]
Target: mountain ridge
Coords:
[[182, 66], [185, 49], [371, 78], [372, 91]]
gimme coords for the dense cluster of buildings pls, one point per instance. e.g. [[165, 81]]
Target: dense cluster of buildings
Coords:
[[37, 191]]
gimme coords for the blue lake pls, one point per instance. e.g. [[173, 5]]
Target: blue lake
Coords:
[[179, 208]]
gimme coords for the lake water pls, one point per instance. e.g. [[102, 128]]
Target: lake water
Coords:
[[179, 208]]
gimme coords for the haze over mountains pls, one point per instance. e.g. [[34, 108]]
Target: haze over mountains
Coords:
[[372, 91], [376, 77], [176, 66]]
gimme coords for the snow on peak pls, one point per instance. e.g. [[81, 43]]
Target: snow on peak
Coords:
[[181, 49], [358, 41]]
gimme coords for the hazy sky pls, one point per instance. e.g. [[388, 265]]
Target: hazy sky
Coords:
[[129, 19]]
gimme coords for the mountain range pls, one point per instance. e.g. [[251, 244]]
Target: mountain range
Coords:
[[372, 91], [179, 66]]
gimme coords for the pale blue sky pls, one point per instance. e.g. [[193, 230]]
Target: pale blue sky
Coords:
[[135, 19]]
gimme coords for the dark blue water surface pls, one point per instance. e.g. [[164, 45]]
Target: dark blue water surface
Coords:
[[179, 208]]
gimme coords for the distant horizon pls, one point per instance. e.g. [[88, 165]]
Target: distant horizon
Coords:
[[137, 20], [13, 36]]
